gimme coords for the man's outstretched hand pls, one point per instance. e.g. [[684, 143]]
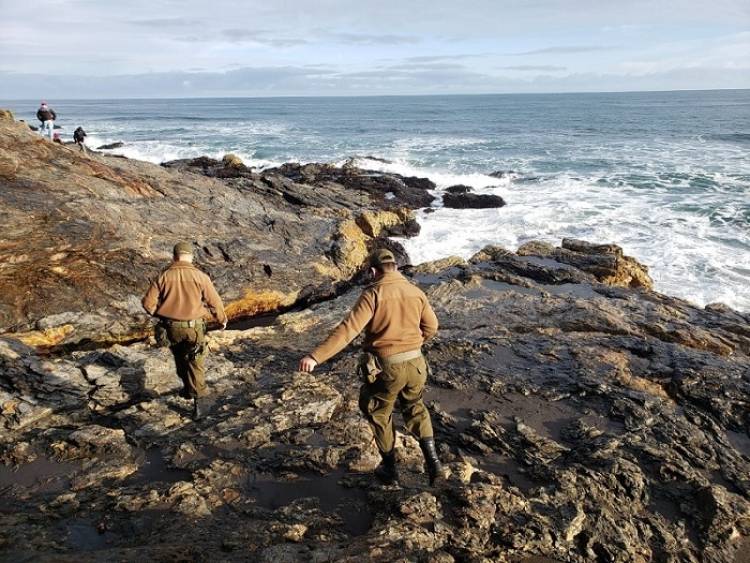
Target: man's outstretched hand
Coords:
[[307, 364]]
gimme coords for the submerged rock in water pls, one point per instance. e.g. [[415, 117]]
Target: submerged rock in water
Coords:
[[472, 201], [459, 189], [110, 146]]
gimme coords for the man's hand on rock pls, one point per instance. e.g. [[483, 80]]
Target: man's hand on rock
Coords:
[[307, 364]]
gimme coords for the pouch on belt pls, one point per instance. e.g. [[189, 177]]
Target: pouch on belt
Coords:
[[161, 336], [369, 367]]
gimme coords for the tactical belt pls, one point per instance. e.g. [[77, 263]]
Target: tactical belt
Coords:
[[183, 324], [401, 357]]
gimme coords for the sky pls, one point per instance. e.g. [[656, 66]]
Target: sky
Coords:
[[186, 48]]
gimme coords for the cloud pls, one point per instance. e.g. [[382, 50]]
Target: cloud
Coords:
[[261, 37], [374, 39], [301, 80], [165, 22], [564, 50], [426, 66], [528, 68], [435, 58]]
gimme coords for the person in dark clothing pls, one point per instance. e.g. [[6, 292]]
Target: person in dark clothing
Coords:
[[79, 136], [47, 116]]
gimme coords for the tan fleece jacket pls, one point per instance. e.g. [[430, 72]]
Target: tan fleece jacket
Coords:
[[393, 312], [181, 293]]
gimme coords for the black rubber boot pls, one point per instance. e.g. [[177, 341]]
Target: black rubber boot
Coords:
[[387, 471], [197, 409], [434, 467]]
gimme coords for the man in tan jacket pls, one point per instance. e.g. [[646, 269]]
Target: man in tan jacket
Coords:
[[180, 298], [397, 319]]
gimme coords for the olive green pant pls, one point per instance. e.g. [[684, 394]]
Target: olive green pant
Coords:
[[403, 382], [188, 348]]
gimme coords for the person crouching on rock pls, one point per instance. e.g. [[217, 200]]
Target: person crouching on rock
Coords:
[[47, 116], [179, 298], [79, 137], [397, 319]]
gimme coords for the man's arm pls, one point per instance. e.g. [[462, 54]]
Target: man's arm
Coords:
[[54, 115], [428, 324], [343, 334], [150, 301], [213, 300]]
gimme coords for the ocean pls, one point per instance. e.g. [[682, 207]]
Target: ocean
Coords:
[[666, 175]]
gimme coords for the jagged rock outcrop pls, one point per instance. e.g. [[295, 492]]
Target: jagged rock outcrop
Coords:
[[580, 422], [606, 262], [83, 234], [388, 189]]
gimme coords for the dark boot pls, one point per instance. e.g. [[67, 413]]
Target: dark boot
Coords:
[[387, 471], [197, 409], [434, 467]]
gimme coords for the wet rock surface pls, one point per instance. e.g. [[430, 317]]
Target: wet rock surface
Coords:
[[83, 234], [580, 421]]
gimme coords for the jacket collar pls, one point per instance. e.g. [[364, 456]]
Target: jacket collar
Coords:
[[181, 264], [388, 277]]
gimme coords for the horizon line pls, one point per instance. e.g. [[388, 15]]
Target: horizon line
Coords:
[[289, 96]]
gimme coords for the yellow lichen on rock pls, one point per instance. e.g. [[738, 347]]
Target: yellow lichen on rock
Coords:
[[373, 223], [352, 247], [232, 161], [257, 302], [46, 337], [629, 273]]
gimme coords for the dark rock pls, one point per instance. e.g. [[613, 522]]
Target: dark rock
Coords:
[[472, 201], [117, 145], [459, 189], [350, 162], [409, 192], [230, 166], [502, 173]]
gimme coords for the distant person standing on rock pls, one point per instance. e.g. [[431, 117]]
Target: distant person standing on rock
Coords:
[[47, 116], [180, 298], [79, 137], [397, 319]]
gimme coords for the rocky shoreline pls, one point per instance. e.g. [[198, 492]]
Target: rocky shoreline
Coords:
[[583, 416]]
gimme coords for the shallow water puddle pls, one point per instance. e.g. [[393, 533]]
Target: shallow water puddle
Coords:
[[156, 469], [83, 535], [740, 441], [41, 475], [508, 467], [349, 503]]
